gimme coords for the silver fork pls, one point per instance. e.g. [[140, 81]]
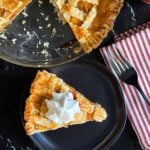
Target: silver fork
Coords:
[[125, 71]]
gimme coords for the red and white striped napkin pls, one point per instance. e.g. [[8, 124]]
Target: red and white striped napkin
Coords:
[[135, 46]]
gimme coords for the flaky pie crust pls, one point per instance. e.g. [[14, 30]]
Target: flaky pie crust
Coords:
[[9, 9], [35, 109], [90, 20]]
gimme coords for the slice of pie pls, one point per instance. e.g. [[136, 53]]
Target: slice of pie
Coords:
[[90, 20], [43, 113], [9, 9]]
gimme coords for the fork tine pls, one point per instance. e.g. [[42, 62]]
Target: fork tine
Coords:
[[114, 65], [123, 64], [123, 58]]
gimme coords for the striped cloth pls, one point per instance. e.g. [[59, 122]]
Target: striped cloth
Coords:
[[135, 46]]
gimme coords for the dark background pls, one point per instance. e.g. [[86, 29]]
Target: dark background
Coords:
[[14, 80]]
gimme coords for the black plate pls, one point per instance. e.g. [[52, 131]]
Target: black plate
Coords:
[[99, 85]]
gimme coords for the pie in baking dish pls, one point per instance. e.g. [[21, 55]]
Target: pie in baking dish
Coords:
[[42, 89], [90, 20], [9, 9]]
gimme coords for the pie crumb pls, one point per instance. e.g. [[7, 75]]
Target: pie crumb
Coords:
[[77, 50], [23, 22], [40, 2], [14, 41], [54, 30], [48, 25], [46, 44], [3, 36], [25, 13], [45, 52]]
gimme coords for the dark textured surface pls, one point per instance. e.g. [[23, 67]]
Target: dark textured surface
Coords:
[[14, 79]]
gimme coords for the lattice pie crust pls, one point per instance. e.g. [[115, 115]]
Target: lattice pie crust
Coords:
[[90, 20], [9, 9]]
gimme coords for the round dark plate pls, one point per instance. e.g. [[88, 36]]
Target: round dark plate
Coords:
[[99, 85]]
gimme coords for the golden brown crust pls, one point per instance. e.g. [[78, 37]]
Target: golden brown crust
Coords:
[[42, 87], [9, 9], [90, 20]]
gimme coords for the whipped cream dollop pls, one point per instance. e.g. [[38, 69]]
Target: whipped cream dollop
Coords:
[[62, 107]]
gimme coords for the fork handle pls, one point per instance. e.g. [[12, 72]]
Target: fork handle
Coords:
[[143, 94]]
